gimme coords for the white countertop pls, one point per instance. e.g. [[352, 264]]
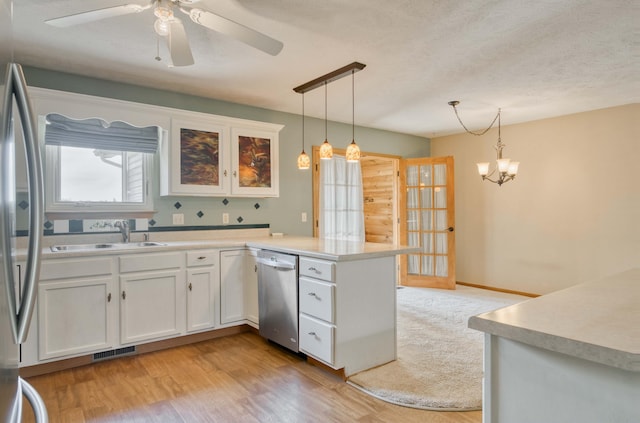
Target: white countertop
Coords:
[[330, 249], [308, 246], [597, 321]]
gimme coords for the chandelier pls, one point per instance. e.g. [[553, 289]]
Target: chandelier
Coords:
[[505, 169]]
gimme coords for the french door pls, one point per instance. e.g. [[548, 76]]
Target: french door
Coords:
[[427, 221]]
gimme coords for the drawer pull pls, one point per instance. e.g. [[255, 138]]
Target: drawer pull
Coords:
[[313, 269], [202, 257], [312, 294], [312, 333]]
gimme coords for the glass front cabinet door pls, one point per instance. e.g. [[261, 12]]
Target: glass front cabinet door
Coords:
[[220, 157]]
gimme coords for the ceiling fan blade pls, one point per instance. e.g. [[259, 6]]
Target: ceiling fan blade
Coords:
[[95, 15], [240, 32], [179, 44]]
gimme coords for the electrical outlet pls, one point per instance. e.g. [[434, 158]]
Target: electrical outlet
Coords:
[[178, 219], [225, 218], [304, 217]]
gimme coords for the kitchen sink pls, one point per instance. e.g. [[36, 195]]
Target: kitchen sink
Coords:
[[118, 246]]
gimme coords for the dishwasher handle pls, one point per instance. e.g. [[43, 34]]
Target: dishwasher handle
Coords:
[[276, 264]]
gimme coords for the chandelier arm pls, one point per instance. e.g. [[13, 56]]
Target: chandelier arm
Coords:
[[454, 103]]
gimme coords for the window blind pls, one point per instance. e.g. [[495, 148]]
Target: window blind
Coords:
[[101, 135]]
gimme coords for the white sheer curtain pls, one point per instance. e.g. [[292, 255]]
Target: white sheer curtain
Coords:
[[341, 200]]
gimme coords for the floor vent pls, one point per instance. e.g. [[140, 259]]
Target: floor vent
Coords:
[[113, 353]]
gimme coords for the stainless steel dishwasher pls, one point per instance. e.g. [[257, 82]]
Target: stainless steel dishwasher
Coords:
[[278, 297]]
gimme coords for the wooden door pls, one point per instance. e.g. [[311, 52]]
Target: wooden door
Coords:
[[380, 186], [427, 221]]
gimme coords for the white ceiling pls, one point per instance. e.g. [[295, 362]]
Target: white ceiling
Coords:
[[533, 59]]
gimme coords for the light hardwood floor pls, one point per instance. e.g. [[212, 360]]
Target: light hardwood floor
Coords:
[[239, 378]]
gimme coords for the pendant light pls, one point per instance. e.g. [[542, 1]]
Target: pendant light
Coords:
[[326, 150], [353, 151], [303, 159]]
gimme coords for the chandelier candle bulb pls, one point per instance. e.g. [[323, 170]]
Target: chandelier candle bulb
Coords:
[[503, 165], [513, 168], [483, 168]]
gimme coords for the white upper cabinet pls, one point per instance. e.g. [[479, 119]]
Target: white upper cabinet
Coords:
[[193, 159], [218, 156]]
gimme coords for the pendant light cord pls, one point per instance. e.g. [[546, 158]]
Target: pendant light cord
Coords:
[[325, 111], [303, 122], [353, 106]]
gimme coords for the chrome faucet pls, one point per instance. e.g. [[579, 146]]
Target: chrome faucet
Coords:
[[124, 229]]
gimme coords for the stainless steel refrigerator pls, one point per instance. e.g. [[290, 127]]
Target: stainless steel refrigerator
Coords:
[[16, 304]]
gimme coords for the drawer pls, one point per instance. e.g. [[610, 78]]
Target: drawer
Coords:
[[202, 258], [146, 262], [316, 338], [75, 268], [319, 269], [316, 298]]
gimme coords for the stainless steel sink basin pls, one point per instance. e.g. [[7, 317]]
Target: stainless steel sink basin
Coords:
[[89, 247]]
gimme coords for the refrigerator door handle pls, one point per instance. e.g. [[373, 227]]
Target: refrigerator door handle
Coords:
[[39, 409], [36, 203], [7, 202]]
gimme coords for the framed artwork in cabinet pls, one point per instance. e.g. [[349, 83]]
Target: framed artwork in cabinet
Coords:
[[197, 158], [254, 155]]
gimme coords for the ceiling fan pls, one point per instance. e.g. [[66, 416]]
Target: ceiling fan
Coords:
[[169, 26]]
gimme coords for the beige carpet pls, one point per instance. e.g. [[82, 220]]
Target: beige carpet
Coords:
[[439, 365]]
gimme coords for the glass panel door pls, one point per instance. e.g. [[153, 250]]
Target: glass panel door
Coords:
[[428, 222]]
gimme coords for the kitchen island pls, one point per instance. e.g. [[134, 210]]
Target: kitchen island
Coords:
[[569, 356]]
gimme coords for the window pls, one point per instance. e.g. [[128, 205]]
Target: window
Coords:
[[97, 167]]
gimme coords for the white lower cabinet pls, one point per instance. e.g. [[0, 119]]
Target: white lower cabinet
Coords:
[[75, 307], [203, 282], [152, 297], [95, 304], [238, 286], [347, 312]]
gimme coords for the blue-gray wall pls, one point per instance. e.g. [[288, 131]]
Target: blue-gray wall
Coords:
[[283, 213]]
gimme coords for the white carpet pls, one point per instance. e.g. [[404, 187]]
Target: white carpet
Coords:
[[439, 365]]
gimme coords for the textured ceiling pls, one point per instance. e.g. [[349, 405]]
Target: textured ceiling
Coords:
[[533, 59]]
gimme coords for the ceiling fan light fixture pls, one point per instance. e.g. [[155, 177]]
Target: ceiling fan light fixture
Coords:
[[163, 12], [161, 27]]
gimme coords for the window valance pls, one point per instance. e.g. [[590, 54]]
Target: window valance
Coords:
[[101, 135]]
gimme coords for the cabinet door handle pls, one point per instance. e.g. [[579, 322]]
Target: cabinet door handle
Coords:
[[255, 267], [235, 174], [124, 295], [225, 172], [190, 287], [109, 297]]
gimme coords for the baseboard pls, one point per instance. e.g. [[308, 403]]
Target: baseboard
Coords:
[[54, 366], [493, 288]]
